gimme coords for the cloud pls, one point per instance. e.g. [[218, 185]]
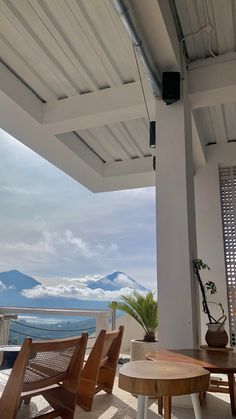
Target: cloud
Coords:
[[18, 190], [44, 246], [77, 243], [55, 280], [62, 245], [79, 292], [84, 279], [139, 193]]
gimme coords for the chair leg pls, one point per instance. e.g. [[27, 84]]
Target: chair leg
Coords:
[[86, 403], [202, 396], [27, 400], [106, 379], [232, 393], [67, 415], [87, 392]]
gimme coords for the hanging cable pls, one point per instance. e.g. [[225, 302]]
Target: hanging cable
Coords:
[[206, 28], [53, 330], [141, 83], [209, 28]]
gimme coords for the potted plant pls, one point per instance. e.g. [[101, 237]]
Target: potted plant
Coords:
[[216, 334], [144, 309]]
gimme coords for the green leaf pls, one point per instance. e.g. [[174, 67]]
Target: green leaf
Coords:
[[144, 309]]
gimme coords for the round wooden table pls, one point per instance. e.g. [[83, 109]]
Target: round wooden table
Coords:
[[163, 379]]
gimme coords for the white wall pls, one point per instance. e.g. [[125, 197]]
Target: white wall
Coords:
[[209, 220], [132, 330]]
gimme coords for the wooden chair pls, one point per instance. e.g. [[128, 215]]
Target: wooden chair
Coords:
[[100, 368], [51, 369]]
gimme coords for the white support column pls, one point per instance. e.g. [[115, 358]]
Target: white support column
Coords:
[[176, 236], [5, 327], [102, 322]]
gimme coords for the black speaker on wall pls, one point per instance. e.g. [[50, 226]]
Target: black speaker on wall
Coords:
[[170, 86]]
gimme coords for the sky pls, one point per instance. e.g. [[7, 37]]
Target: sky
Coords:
[[55, 230]]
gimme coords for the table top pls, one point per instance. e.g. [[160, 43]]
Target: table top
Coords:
[[213, 361], [162, 378], [215, 348]]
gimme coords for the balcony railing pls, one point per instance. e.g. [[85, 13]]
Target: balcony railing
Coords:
[[104, 320]]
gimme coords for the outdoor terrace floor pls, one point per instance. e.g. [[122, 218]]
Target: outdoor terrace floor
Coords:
[[123, 405]]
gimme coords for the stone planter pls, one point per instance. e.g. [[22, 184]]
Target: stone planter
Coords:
[[216, 335], [139, 348]]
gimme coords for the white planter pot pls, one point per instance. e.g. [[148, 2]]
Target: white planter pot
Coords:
[[139, 348]]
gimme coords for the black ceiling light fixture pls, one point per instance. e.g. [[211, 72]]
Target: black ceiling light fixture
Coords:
[[152, 134]]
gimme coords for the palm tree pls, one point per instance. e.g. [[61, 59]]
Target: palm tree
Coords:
[[143, 309]]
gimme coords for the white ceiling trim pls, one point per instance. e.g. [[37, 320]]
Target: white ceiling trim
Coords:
[[128, 167], [13, 87], [212, 85], [98, 108], [199, 149]]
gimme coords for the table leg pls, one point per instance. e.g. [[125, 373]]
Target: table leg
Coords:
[[140, 407], [232, 392], [196, 406], [167, 407], [145, 407], [160, 405]]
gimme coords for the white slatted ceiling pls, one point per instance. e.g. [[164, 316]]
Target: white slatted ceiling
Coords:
[[217, 124], [230, 117], [222, 16], [65, 47], [122, 141]]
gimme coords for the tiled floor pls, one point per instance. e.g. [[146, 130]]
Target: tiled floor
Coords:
[[123, 405]]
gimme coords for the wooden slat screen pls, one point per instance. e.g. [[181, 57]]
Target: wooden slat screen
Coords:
[[228, 205]]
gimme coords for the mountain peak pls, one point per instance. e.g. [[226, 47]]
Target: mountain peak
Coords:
[[114, 274], [115, 281], [18, 280]]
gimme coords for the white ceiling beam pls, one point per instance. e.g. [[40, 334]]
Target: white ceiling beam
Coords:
[[170, 25], [98, 108], [13, 87], [199, 149], [128, 167], [156, 25], [129, 174], [213, 84], [218, 123], [78, 147]]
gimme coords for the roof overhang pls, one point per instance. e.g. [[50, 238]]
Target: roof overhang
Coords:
[[53, 129]]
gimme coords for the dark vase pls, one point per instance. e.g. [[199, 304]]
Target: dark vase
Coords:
[[216, 335]]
